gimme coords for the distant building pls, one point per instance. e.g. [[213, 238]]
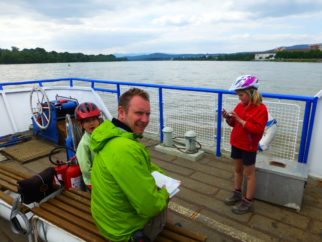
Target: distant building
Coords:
[[279, 49], [316, 47], [264, 56]]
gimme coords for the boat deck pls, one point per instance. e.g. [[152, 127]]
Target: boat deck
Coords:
[[199, 205], [207, 182]]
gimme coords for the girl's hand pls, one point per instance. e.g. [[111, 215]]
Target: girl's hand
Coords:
[[229, 118], [225, 114], [238, 119]]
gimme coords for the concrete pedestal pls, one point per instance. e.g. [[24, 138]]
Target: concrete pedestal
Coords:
[[178, 153], [280, 181]]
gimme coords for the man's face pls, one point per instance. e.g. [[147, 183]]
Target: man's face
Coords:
[[137, 116]]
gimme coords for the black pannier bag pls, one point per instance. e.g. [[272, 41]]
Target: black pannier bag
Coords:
[[37, 187]]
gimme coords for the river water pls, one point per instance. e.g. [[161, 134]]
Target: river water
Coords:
[[275, 77]]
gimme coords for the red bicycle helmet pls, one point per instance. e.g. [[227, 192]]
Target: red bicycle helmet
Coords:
[[86, 110]]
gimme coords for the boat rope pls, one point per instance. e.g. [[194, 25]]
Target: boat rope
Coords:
[[179, 145]]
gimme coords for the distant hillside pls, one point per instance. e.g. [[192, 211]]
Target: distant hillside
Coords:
[[163, 56], [297, 47], [301, 47], [214, 56]]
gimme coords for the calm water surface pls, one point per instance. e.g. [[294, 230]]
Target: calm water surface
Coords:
[[275, 77]]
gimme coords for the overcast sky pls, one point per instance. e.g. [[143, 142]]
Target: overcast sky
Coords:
[[168, 26]]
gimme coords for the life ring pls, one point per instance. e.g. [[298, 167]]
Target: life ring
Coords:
[[269, 133]]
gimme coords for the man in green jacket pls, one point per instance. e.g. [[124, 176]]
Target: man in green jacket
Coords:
[[125, 201]]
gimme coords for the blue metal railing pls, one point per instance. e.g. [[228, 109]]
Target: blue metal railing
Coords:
[[308, 118]]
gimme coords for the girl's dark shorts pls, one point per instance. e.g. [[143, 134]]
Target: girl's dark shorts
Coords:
[[248, 158]]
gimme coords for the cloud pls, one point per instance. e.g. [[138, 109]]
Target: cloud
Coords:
[[180, 26], [93, 41], [57, 9], [178, 20], [281, 8]]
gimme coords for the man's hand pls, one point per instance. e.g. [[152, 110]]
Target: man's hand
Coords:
[[168, 194]]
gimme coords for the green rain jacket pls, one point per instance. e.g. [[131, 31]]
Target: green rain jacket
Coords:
[[85, 157], [124, 195]]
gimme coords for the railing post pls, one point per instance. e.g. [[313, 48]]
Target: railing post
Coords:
[[71, 82], [161, 113], [309, 133], [304, 131], [218, 133], [118, 92]]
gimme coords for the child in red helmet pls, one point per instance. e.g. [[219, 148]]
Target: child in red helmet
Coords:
[[87, 115]]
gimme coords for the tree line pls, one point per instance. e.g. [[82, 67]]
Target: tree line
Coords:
[[311, 54], [40, 55], [222, 57]]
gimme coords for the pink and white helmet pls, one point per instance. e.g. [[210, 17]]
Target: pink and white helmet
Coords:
[[244, 82]]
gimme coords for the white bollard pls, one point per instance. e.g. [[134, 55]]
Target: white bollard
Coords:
[[167, 136], [190, 141]]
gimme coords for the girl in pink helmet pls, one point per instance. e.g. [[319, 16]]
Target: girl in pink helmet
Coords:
[[248, 120]]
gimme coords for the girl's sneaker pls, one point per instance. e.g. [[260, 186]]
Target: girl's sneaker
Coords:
[[235, 198], [243, 207]]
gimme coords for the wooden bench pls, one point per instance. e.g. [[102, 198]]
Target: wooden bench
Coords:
[[70, 210]]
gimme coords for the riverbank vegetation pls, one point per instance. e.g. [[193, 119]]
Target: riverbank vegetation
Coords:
[[40, 55], [292, 56], [222, 57], [311, 55]]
